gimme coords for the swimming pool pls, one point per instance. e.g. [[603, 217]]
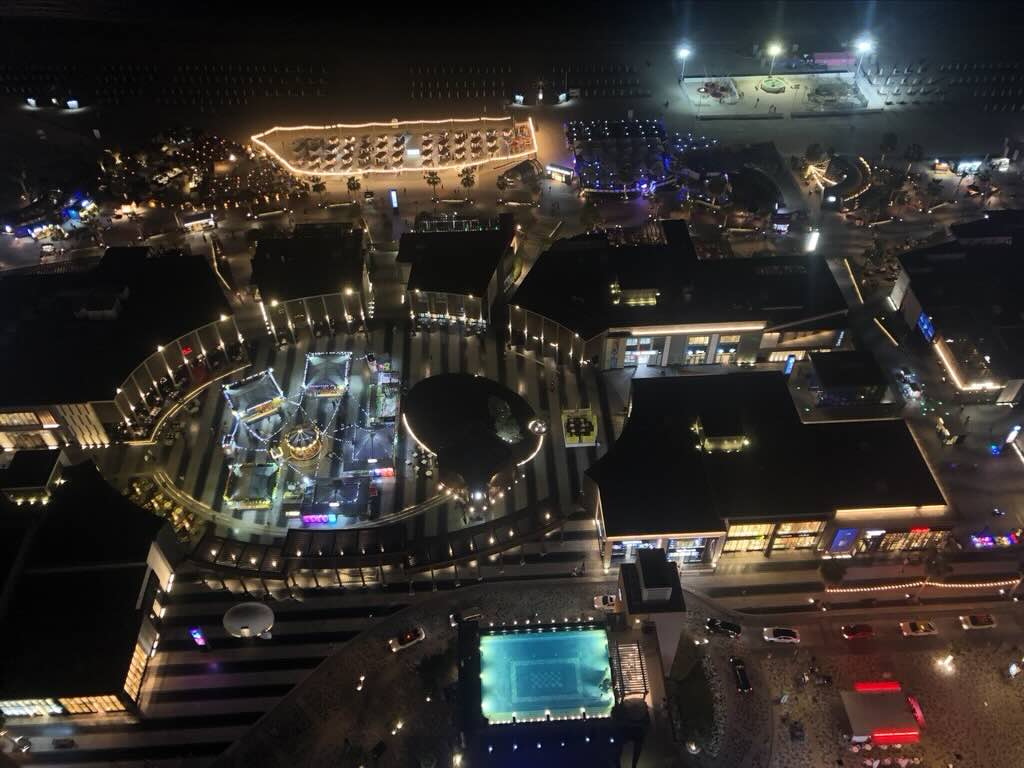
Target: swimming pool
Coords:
[[530, 675]]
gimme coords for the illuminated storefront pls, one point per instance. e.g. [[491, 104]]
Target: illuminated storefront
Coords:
[[847, 542], [748, 537], [690, 551], [774, 537]]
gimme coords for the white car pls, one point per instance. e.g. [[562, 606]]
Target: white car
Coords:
[[781, 635], [406, 639], [917, 628], [606, 602], [978, 621]]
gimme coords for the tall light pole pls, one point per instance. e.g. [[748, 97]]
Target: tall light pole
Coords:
[[683, 53], [774, 49], [863, 47]]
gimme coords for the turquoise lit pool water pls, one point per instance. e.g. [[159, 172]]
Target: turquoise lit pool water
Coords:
[[528, 675]]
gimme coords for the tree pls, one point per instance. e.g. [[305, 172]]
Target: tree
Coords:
[[318, 185], [502, 184], [814, 153], [353, 185], [467, 178], [433, 180], [888, 144], [833, 571]]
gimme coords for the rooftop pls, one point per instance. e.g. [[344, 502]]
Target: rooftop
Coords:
[[98, 618], [651, 571], [94, 538], [75, 337], [574, 283], [655, 480], [853, 368], [460, 262], [310, 264], [1000, 224], [972, 291], [27, 469]]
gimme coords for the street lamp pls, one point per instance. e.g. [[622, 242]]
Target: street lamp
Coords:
[[774, 49], [863, 46], [683, 53]]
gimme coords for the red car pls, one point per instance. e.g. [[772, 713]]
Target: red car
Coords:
[[858, 631]]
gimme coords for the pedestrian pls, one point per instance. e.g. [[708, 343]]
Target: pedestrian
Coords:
[[758, 101]]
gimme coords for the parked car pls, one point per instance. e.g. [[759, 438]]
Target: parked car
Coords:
[[781, 635], [720, 627], [19, 743], [407, 638], [857, 631], [739, 671], [63, 742], [917, 628], [978, 621], [606, 602]]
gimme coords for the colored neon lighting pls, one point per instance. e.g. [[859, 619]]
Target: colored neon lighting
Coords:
[[876, 686], [894, 736]]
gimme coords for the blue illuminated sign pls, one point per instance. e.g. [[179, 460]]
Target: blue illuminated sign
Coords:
[[843, 540], [790, 362], [394, 198], [925, 324]]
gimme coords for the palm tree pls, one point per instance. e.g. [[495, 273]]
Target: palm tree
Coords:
[[433, 180], [467, 179], [318, 185], [502, 184], [353, 185]]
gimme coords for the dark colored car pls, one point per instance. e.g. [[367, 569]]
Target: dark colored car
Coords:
[[719, 627], [739, 671], [858, 631]]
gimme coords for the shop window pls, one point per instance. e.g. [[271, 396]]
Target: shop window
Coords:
[[30, 708], [748, 537], [697, 349], [726, 351], [18, 419]]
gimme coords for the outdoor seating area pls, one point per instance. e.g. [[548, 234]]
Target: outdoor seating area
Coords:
[[579, 428], [617, 156], [353, 150]]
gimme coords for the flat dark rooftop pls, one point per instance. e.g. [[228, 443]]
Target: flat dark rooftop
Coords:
[[634, 596], [570, 283], [81, 580], [28, 469], [89, 523], [75, 633], [993, 224], [654, 480], [853, 368], [310, 264], [456, 262], [61, 356], [973, 291]]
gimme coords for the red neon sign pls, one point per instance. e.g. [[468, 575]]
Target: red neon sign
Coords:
[[894, 736], [877, 686], [924, 529]]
